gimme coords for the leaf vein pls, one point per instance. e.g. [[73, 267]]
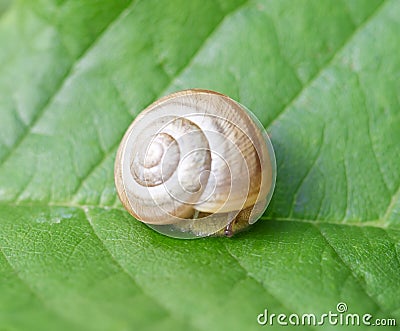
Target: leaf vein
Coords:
[[107, 153], [32, 291], [376, 159], [125, 271], [391, 205], [307, 173], [199, 49], [261, 284], [37, 116], [348, 267], [326, 65], [92, 169]]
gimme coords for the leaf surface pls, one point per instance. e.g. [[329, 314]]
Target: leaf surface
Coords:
[[322, 76]]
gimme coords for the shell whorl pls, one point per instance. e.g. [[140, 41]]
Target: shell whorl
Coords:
[[192, 162]]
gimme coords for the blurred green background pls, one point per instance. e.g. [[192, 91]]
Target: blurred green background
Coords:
[[324, 79]]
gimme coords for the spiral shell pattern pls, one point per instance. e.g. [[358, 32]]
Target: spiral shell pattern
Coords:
[[195, 163]]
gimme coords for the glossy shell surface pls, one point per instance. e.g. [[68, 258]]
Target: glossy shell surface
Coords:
[[195, 163]]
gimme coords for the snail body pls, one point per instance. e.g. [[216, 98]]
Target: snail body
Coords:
[[195, 163]]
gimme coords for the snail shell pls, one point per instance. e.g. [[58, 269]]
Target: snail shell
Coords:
[[195, 163]]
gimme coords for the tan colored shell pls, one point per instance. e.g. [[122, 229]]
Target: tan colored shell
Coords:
[[191, 162]]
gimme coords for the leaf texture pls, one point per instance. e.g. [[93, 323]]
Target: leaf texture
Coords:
[[323, 78]]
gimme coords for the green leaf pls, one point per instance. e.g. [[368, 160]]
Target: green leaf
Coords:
[[324, 79]]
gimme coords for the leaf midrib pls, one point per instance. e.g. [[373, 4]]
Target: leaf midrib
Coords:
[[247, 272], [369, 223]]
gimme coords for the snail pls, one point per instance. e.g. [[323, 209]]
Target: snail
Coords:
[[195, 163]]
